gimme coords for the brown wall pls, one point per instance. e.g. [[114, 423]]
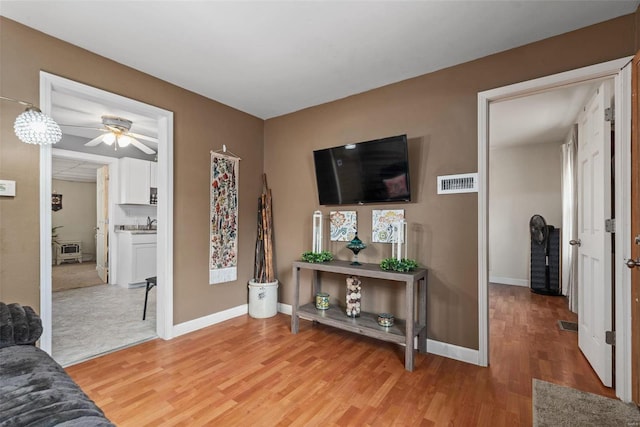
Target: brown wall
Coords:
[[200, 125], [438, 112]]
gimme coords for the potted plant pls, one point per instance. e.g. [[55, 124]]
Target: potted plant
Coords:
[[324, 256], [263, 288], [403, 265]]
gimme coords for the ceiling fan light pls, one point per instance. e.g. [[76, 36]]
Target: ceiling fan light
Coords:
[[34, 127], [124, 140], [109, 139]]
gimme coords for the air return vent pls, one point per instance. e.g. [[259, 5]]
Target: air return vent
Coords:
[[463, 183]]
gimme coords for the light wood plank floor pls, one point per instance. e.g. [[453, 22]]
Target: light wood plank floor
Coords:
[[254, 372]]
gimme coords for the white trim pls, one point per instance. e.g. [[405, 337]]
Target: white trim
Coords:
[[622, 317], [483, 230], [509, 281], [45, 247], [598, 71], [209, 320], [463, 354], [112, 162], [164, 310], [285, 308]]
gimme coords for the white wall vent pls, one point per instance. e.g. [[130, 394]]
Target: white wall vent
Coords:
[[463, 183]]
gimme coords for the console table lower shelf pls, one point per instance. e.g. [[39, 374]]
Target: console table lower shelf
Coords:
[[402, 332], [366, 324]]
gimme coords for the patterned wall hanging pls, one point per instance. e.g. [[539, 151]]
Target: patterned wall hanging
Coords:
[[382, 222], [344, 225], [223, 255]]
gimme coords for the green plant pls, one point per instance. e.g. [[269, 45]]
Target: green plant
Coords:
[[403, 265], [324, 256]]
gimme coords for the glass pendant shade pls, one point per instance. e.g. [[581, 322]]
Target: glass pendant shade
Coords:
[[34, 127], [109, 138], [124, 140]]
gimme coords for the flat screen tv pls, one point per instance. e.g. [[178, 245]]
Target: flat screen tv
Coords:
[[367, 172]]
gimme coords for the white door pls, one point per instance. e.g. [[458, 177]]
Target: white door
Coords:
[[102, 223], [594, 253]]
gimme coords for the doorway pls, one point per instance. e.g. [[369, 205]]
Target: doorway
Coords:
[[52, 86], [622, 80]]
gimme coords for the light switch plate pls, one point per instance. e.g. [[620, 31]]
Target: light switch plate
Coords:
[[7, 188]]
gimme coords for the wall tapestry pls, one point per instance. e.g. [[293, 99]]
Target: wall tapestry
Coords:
[[223, 255], [344, 225], [56, 202], [382, 224]]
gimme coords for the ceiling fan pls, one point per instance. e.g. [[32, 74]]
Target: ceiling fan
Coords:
[[116, 130]]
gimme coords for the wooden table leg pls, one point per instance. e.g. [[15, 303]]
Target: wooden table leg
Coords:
[[409, 329], [422, 314], [296, 300]]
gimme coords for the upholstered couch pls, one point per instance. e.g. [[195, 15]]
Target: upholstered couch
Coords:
[[34, 389]]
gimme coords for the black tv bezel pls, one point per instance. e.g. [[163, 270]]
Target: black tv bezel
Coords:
[[403, 138]]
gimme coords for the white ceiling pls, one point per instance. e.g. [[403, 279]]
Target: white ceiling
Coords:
[[545, 117], [270, 58], [73, 170], [71, 110]]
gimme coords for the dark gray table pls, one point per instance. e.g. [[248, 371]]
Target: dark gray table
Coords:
[[402, 332]]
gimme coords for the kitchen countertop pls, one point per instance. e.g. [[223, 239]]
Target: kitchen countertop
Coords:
[[135, 229]]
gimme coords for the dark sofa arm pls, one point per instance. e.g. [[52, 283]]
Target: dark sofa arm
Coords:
[[18, 325]]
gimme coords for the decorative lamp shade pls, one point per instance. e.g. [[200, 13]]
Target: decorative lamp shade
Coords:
[[34, 127]]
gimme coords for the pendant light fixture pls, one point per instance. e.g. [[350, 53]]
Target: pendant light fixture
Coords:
[[33, 126]]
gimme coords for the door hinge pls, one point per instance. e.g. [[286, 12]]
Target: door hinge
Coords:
[[608, 114], [610, 337], [610, 225]]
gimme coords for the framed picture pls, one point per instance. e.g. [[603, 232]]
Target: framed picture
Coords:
[[382, 222], [344, 225], [56, 202]]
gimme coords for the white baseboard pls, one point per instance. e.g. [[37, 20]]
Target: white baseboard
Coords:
[[509, 281], [284, 308], [462, 354], [212, 319]]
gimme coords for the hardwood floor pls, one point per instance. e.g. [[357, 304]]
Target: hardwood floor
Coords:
[[255, 372]]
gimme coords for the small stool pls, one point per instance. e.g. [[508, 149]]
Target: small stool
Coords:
[[151, 282]]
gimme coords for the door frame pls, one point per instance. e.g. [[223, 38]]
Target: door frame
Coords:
[[112, 163], [50, 83], [622, 318]]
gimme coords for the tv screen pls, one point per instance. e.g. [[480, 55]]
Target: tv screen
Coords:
[[367, 172]]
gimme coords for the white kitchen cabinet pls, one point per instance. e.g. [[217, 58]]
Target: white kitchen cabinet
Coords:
[[135, 181], [137, 256]]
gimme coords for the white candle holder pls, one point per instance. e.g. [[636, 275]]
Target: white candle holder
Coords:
[[399, 239], [317, 232]]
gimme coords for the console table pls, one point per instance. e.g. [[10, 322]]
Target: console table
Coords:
[[402, 332]]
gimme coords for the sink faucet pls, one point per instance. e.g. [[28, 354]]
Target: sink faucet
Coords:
[[150, 222]]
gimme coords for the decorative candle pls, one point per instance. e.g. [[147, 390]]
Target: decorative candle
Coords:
[[317, 232], [400, 229]]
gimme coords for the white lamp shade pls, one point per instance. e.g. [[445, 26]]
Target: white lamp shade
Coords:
[[34, 127], [109, 138], [124, 140]]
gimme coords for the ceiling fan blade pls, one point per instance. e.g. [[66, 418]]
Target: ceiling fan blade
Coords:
[[95, 141], [143, 137], [140, 146]]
